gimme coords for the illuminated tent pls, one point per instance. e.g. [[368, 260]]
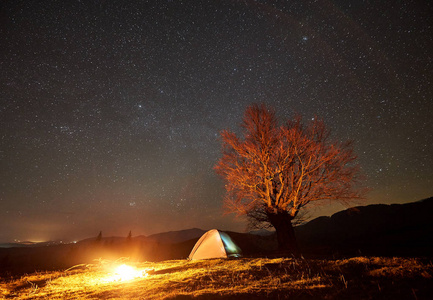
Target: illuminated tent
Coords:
[[214, 244]]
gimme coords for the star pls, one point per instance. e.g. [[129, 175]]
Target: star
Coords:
[[117, 106]]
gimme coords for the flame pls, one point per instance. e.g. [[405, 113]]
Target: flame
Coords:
[[125, 273]]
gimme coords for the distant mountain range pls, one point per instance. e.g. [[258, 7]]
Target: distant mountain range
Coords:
[[173, 237], [379, 230], [362, 228], [170, 237], [32, 244]]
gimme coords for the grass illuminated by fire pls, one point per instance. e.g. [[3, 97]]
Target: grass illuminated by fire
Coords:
[[245, 278]]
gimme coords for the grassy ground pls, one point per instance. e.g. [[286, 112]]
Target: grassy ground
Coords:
[[246, 278]]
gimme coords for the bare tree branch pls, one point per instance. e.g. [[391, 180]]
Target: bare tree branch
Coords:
[[280, 169]]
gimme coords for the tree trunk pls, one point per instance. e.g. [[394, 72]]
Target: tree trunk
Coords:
[[282, 223]]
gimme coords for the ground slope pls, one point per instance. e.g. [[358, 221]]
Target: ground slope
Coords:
[[259, 278]]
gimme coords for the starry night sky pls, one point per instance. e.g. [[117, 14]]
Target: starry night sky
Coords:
[[110, 111]]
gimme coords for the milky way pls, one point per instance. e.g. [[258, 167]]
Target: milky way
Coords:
[[111, 110]]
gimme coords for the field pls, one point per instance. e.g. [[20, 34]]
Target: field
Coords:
[[245, 278]]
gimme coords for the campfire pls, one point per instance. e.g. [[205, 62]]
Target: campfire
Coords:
[[126, 273]]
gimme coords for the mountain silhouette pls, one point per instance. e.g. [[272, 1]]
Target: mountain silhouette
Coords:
[[373, 230], [179, 236], [378, 229]]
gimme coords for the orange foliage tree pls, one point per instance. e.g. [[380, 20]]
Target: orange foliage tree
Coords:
[[275, 170]]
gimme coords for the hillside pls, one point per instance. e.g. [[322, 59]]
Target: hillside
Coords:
[[245, 278], [179, 236], [385, 230], [390, 230]]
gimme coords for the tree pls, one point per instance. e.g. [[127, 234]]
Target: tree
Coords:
[[274, 170], [99, 237]]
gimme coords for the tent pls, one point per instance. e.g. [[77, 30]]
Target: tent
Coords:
[[214, 244]]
